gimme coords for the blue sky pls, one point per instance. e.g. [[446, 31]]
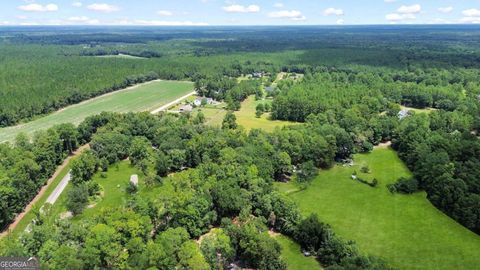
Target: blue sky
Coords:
[[237, 12]]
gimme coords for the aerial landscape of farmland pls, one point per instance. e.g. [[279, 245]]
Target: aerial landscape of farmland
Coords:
[[234, 135]]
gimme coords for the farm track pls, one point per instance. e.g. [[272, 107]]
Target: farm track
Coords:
[[173, 103], [42, 191], [52, 198]]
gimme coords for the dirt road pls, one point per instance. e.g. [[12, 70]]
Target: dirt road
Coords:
[[52, 198], [40, 194], [166, 106]]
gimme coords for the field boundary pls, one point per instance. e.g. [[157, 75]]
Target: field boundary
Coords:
[[175, 102]]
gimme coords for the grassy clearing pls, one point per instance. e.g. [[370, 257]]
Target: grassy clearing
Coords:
[[214, 116], [246, 117], [113, 192], [145, 97], [291, 254], [415, 110], [121, 55], [406, 230]]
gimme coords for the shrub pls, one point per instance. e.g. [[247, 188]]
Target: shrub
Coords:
[[77, 199], [404, 185], [131, 188]]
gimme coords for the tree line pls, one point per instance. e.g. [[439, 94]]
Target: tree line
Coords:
[[222, 193]]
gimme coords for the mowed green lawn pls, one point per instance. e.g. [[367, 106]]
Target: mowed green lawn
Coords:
[[246, 117], [292, 255], [406, 230], [114, 192], [145, 97]]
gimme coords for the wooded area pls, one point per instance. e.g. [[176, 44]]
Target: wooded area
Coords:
[[422, 93]]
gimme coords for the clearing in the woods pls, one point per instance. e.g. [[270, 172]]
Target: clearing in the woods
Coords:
[[406, 230]]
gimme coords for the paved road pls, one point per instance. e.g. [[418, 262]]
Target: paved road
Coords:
[[166, 106], [59, 189]]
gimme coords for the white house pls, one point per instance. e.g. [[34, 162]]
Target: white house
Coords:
[[198, 101]]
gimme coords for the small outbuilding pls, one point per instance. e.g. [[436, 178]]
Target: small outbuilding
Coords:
[[403, 114], [186, 108], [134, 180]]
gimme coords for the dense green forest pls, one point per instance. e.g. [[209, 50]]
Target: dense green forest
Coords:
[[44, 69]]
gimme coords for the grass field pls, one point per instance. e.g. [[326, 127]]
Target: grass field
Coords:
[[121, 55], [245, 117], [144, 97], [415, 110], [291, 254], [406, 230], [114, 194]]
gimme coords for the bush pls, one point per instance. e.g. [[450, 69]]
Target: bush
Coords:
[[404, 185], [132, 188], [93, 188], [306, 172], [77, 199]]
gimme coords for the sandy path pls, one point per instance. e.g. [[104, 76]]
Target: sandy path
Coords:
[[59, 189], [61, 186], [20, 216], [384, 145], [175, 102]]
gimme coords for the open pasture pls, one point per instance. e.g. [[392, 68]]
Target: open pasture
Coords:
[[144, 97], [406, 230]]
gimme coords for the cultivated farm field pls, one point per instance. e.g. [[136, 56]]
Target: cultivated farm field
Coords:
[[406, 230], [144, 97]]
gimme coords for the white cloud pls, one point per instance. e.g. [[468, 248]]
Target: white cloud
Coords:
[[103, 7], [340, 21], [38, 8], [409, 9], [77, 4], [82, 20], [333, 11], [293, 15], [473, 12], [164, 13], [395, 17], [470, 20], [390, 1], [168, 23], [79, 19], [445, 9], [242, 9], [278, 5], [4, 22]]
